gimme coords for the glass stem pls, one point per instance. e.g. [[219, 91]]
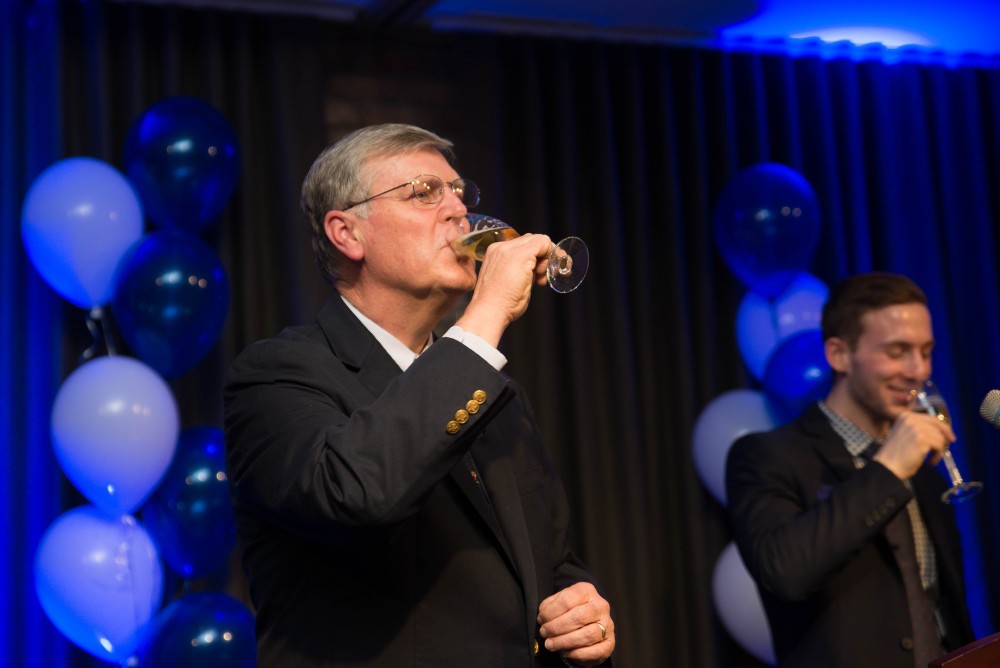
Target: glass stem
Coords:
[[949, 463]]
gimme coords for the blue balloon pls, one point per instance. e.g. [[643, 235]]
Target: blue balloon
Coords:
[[114, 431], [738, 602], [761, 324], [201, 630], [766, 225], [797, 374], [171, 300], [181, 154], [725, 419], [800, 306], [190, 513], [756, 332], [78, 219], [99, 580]]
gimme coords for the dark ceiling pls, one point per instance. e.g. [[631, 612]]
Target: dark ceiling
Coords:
[[956, 26]]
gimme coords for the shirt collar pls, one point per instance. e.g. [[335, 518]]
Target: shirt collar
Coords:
[[855, 438], [397, 350]]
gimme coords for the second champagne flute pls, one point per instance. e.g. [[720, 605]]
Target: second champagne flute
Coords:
[[927, 399]]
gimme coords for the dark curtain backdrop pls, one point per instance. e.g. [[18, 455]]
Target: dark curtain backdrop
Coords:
[[627, 146], [30, 331]]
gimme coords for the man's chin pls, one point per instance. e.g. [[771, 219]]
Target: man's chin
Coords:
[[895, 410]]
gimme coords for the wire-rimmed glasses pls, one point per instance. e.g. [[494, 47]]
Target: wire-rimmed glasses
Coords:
[[429, 189]]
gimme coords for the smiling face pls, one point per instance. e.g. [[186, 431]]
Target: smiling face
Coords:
[[405, 242], [891, 357]]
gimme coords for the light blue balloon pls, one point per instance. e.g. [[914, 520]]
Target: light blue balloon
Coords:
[[763, 324], [800, 306], [99, 580], [725, 419], [756, 332], [114, 431], [740, 607], [78, 219]]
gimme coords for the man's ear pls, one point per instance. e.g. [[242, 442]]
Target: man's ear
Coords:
[[343, 232], [837, 354]]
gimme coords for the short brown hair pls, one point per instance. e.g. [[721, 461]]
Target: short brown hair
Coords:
[[856, 295]]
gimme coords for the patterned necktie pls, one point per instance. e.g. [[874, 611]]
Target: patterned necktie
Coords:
[[899, 532]]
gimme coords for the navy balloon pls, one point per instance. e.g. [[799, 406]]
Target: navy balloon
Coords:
[[190, 513], [201, 630], [797, 373], [171, 300], [181, 155], [766, 225]]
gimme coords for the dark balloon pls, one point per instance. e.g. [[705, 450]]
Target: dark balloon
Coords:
[[171, 300], [189, 513], [201, 630], [182, 157], [797, 373], [767, 226]]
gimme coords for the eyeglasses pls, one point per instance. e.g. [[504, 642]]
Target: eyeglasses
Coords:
[[429, 189]]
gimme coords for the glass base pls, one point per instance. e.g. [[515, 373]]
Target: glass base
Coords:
[[568, 264], [962, 492]]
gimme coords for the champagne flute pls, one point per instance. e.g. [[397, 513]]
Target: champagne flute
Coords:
[[568, 260], [928, 399]]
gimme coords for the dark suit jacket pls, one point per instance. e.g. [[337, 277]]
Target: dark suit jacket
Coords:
[[367, 539], [809, 526]]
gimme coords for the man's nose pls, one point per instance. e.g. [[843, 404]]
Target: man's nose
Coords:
[[918, 366], [455, 208]]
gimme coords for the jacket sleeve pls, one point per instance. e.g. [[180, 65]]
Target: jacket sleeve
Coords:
[[794, 520]]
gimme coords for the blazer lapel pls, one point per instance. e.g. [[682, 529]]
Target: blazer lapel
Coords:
[[356, 347], [501, 485], [469, 479], [827, 443]]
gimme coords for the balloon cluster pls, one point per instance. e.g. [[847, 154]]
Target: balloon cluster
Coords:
[[115, 424], [766, 226]]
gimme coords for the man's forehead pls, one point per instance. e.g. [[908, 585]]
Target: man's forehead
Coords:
[[401, 166], [911, 319]]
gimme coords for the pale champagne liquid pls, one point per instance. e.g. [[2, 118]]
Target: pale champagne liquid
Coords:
[[935, 407], [474, 244]]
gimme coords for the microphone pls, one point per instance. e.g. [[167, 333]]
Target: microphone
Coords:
[[990, 408]]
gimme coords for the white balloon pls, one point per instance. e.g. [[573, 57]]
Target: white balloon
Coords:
[[114, 431], [725, 419], [739, 606], [99, 580]]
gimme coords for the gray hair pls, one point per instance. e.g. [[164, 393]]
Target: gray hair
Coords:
[[339, 176]]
